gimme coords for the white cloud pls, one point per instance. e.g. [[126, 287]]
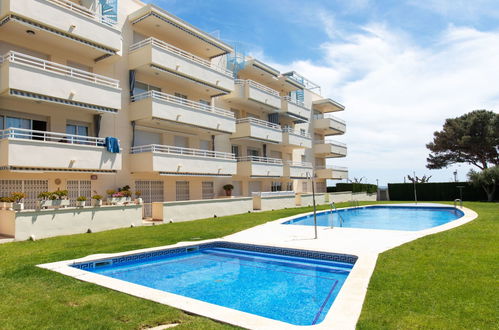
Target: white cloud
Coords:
[[398, 93]]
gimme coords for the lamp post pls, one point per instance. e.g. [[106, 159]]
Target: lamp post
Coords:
[[415, 194], [313, 200]]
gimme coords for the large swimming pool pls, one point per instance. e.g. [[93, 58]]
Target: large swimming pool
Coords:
[[409, 218], [289, 285]]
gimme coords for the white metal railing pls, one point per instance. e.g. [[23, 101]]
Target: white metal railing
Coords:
[[290, 100], [80, 10], [273, 193], [258, 86], [182, 151], [183, 102], [258, 159], [298, 164], [172, 49], [334, 143], [322, 116], [52, 67], [299, 133], [332, 167], [258, 122], [22, 133]]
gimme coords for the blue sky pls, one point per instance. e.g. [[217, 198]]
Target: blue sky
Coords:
[[400, 67]]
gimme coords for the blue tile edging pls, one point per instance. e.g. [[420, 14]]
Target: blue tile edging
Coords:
[[160, 254]]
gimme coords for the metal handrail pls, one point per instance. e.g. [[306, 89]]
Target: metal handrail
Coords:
[[298, 164], [460, 202], [182, 102], [256, 85], [335, 168], [52, 67], [260, 160], [80, 10], [290, 100], [334, 143], [298, 133], [322, 116], [259, 122], [273, 193], [22, 133], [332, 205], [182, 151], [175, 50]]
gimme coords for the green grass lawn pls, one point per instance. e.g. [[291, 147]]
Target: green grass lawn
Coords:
[[448, 280]]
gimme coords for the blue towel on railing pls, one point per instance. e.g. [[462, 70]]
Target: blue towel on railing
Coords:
[[112, 144]]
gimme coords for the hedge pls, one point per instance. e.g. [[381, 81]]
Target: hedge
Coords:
[[354, 187], [436, 191]]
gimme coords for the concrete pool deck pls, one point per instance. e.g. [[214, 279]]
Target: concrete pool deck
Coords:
[[366, 244]]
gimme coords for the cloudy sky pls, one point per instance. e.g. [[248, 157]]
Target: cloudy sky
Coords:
[[400, 67]]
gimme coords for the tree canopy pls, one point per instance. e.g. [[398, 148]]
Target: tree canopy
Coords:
[[472, 138], [488, 179]]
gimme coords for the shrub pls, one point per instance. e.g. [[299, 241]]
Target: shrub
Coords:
[[110, 192], [138, 194], [6, 200], [228, 187], [18, 196], [81, 199], [97, 197]]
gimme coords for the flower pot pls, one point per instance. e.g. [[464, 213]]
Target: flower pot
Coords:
[[228, 192], [139, 201], [6, 206], [80, 203], [97, 202], [18, 206]]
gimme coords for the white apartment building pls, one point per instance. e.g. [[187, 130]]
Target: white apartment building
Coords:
[[190, 113]]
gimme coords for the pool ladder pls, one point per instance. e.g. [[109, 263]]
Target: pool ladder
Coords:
[[355, 203], [460, 203], [333, 206]]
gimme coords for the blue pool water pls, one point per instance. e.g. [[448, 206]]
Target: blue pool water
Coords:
[[383, 217], [287, 288]]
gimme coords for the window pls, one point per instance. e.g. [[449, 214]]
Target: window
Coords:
[[205, 102], [181, 141], [204, 145], [276, 186], [235, 150], [182, 97], [253, 152], [182, 190], [237, 113], [303, 158], [77, 188], [289, 186], [76, 129], [303, 131], [79, 66], [142, 88], [276, 154], [304, 186], [321, 187], [208, 192]]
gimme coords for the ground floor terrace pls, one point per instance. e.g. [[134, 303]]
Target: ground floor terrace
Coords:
[[444, 280]]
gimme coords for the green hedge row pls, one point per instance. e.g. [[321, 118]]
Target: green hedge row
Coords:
[[436, 191], [354, 187]]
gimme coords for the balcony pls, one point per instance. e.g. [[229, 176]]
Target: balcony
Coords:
[[296, 139], [252, 94], [30, 77], [152, 105], [168, 160], [61, 24], [256, 129], [327, 105], [329, 125], [29, 150], [330, 149], [332, 172], [297, 170], [253, 166], [153, 55], [294, 109]]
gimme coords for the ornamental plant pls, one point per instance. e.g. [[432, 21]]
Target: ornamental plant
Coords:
[[110, 192], [97, 197], [18, 196], [138, 193], [6, 200], [81, 199]]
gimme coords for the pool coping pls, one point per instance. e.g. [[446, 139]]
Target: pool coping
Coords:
[[343, 313]]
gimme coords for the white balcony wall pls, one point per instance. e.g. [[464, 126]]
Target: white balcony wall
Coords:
[[259, 169], [296, 139], [68, 17], [330, 125], [152, 51], [330, 149], [250, 90], [37, 76], [330, 173], [297, 170], [258, 129], [168, 107], [294, 108]]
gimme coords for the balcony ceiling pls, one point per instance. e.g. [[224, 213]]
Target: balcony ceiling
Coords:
[[268, 76], [327, 105], [152, 21], [14, 30]]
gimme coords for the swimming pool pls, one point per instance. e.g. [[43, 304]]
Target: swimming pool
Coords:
[[410, 218], [289, 285]]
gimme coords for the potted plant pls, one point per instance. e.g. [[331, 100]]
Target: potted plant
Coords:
[[80, 201], [117, 198], [138, 199], [6, 203], [17, 197], [97, 200], [228, 189], [59, 198]]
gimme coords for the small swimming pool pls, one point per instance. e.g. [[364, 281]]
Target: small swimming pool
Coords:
[[410, 218], [289, 285]]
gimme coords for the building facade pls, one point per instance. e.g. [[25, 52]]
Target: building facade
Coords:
[[191, 113]]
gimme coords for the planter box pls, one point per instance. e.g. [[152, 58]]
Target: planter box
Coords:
[[18, 206], [97, 202], [57, 203], [6, 206], [81, 203], [119, 200]]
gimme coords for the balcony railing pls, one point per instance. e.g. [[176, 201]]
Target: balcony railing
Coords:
[[332, 167], [298, 133], [258, 86], [182, 151], [334, 143], [273, 193], [258, 122], [260, 160], [80, 10], [182, 102], [52, 67], [298, 164], [321, 116], [177, 51], [21, 133], [290, 100]]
